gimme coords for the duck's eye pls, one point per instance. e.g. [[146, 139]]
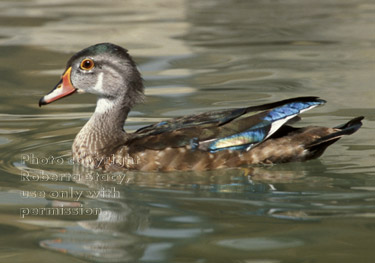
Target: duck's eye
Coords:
[[87, 64]]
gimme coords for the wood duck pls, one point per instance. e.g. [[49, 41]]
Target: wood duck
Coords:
[[212, 140]]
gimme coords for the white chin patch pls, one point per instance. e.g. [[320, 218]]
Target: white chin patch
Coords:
[[103, 105]]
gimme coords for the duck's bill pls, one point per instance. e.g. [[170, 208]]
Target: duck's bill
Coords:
[[62, 89]]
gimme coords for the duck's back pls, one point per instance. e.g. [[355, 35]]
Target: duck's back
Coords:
[[230, 138]]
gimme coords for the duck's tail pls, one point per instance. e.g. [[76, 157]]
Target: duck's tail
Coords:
[[317, 147]]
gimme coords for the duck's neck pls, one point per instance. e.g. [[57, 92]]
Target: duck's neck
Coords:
[[104, 131], [110, 114]]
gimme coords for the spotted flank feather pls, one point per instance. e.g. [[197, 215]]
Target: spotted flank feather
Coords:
[[235, 137]]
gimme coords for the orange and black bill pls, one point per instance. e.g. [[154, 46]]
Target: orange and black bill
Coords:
[[62, 89]]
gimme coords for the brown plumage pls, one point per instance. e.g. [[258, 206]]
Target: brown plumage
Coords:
[[212, 140]]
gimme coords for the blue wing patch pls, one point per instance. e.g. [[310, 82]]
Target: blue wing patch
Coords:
[[290, 109], [240, 141], [268, 124]]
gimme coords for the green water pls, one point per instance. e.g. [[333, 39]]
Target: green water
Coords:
[[195, 56]]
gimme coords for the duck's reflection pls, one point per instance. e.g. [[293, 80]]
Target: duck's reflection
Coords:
[[149, 213]]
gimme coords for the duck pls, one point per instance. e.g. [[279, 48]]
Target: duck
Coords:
[[236, 137]]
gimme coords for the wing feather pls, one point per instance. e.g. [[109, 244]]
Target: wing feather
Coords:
[[235, 129]]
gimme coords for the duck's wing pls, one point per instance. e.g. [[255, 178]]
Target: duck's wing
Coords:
[[235, 129]]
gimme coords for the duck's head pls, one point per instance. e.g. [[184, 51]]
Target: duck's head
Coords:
[[106, 70]]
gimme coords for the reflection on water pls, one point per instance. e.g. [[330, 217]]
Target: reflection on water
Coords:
[[146, 216], [195, 56]]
